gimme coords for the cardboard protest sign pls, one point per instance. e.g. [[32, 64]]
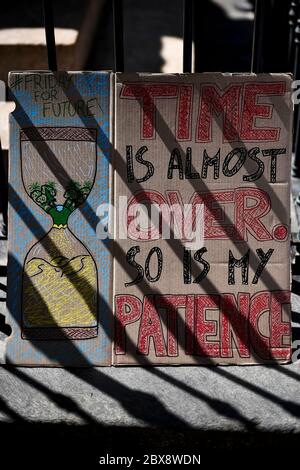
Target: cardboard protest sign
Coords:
[[59, 273], [201, 266]]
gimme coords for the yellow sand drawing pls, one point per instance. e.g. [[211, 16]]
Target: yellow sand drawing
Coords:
[[61, 293]]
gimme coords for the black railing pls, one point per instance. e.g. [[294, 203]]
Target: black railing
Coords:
[[50, 36], [118, 35], [188, 35]]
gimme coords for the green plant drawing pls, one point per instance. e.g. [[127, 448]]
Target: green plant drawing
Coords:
[[45, 196]]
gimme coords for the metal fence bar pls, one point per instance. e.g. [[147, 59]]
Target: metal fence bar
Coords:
[[257, 65], [3, 192], [118, 35], [277, 37], [50, 37], [293, 16], [188, 35]]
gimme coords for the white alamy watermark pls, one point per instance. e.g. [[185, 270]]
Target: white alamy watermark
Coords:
[[137, 221]]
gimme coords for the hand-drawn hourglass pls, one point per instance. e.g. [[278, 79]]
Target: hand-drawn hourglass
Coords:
[[60, 287]]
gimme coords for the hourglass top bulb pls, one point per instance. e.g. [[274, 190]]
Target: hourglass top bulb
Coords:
[[58, 168]]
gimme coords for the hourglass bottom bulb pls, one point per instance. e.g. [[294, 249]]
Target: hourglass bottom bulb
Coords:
[[59, 289]]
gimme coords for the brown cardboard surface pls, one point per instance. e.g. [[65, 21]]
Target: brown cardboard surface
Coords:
[[239, 315]]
